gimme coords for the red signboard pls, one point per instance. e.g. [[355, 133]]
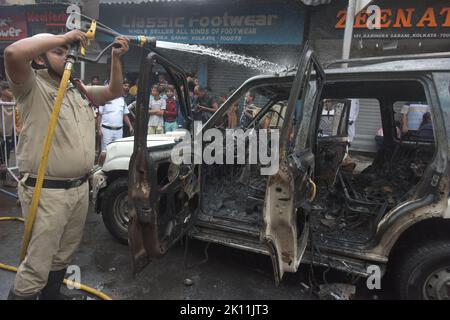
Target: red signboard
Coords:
[[13, 27], [50, 18]]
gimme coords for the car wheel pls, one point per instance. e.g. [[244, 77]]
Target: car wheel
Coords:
[[423, 273], [115, 209]]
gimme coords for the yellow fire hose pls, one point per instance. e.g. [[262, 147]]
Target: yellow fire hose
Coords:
[[74, 284], [44, 158], [12, 219], [313, 194]]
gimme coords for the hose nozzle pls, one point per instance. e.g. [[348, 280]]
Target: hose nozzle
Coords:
[[142, 41]]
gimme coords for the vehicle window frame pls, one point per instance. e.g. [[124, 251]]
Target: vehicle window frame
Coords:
[[342, 129]]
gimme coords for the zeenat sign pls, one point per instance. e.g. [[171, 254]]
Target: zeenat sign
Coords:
[[13, 27], [402, 18]]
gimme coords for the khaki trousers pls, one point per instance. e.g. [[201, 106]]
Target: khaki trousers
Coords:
[[57, 232]]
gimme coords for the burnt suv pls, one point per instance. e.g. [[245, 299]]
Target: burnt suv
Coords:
[[390, 211]]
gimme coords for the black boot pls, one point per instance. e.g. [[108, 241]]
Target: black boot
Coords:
[[13, 296], [52, 290]]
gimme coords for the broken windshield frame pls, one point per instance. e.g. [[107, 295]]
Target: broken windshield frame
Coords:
[[252, 83]]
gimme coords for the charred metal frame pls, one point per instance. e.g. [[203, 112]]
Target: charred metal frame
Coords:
[[433, 185], [387, 230], [392, 226], [144, 191]]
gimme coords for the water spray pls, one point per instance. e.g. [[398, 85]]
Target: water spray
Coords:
[[91, 27]]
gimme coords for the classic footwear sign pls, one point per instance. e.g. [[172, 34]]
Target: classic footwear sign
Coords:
[[213, 24]]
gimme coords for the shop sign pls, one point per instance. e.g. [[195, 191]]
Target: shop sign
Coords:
[[264, 24], [13, 27], [47, 18], [403, 23], [402, 20]]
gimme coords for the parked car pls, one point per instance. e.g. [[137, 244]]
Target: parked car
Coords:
[[392, 214]]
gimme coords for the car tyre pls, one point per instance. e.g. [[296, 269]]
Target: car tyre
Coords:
[[115, 209], [423, 273]]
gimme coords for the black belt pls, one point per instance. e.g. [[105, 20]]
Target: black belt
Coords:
[[58, 184], [111, 128]]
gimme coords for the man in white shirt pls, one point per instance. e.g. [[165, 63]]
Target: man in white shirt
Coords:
[[347, 163], [354, 112], [110, 120]]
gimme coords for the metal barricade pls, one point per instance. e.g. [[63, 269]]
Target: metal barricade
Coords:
[[9, 164]]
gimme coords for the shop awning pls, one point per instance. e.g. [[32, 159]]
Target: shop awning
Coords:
[[16, 2], [307, 2], [12, 2], [316, 2], [135, 1]]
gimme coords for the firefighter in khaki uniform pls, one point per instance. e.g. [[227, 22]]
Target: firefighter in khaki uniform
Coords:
[[64, 200]]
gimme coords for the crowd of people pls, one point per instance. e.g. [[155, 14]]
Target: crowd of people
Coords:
[[115, 119]]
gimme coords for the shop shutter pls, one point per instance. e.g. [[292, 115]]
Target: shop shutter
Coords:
[[223, 76], [367, 125]]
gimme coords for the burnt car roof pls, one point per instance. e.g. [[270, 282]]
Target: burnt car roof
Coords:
[[419, 65], [415, 65]]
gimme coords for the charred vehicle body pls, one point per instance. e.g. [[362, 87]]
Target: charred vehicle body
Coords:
[[391, 212]]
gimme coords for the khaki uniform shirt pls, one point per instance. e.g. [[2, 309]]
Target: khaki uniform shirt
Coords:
[[73, 148]]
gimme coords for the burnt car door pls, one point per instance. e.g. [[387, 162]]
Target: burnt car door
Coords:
[[290, 190], [161, 194]]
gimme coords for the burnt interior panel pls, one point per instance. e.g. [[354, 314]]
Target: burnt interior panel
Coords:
[[234, 194], [350, 207]]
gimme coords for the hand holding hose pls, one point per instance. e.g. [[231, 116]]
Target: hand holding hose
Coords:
[[74, 36], [121, 46]]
